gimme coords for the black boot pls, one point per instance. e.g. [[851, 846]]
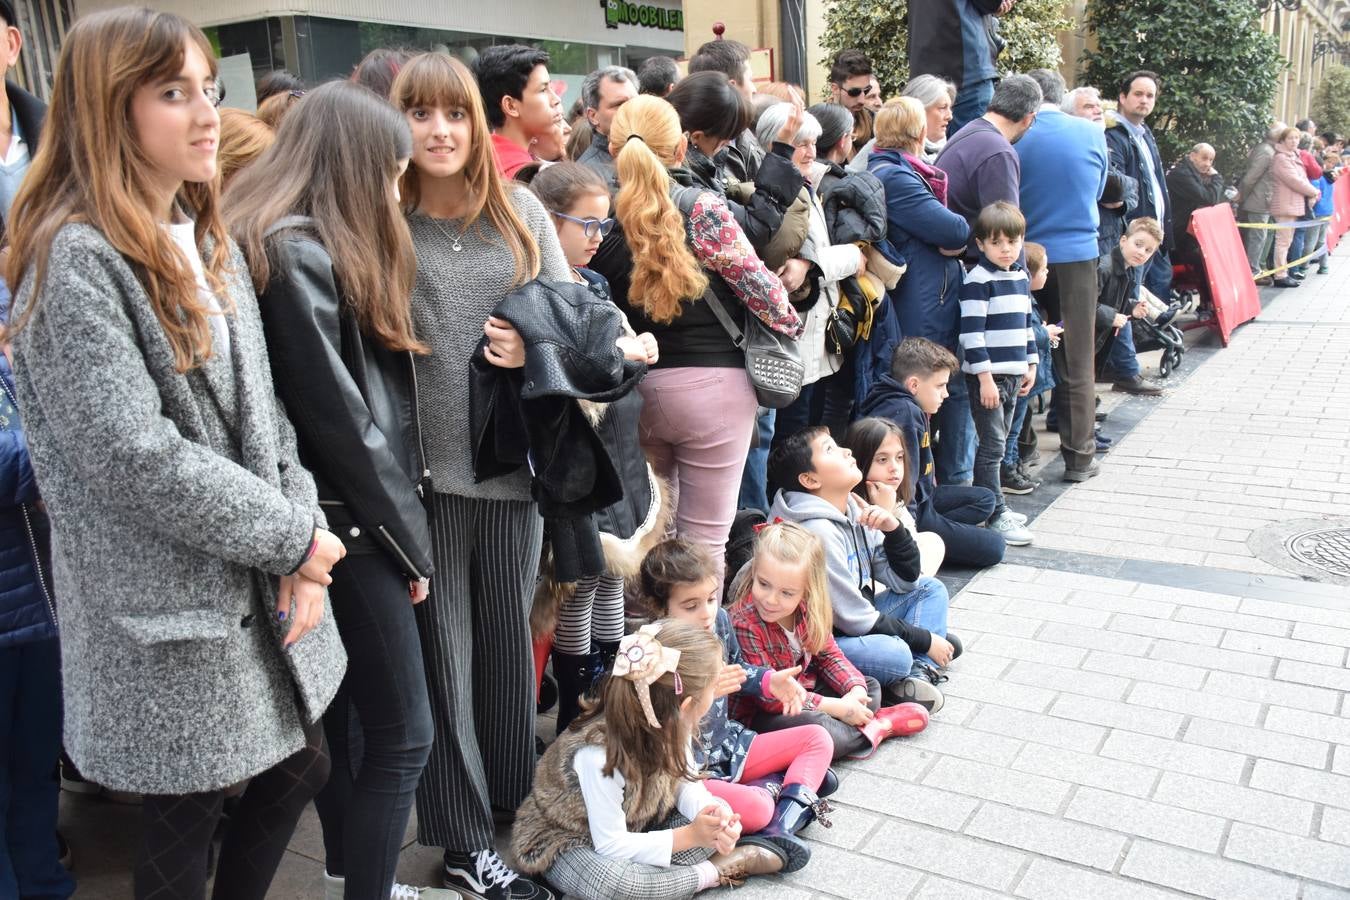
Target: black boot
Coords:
[[575, 674], [797, 807]]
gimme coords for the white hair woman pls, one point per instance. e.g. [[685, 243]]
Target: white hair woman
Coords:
[[937, 96]]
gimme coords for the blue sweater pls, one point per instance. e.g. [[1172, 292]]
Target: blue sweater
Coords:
[[996, 335], [1064, 165]]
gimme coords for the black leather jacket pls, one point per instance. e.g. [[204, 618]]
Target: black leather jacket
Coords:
[[354, 405]]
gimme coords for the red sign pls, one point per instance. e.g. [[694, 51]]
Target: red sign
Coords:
[[1230, 278]]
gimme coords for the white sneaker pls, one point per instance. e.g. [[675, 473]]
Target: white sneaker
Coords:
[[1014, 533], [1019, 518], [334, 886]]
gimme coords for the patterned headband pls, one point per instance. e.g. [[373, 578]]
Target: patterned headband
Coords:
[[642, 660]]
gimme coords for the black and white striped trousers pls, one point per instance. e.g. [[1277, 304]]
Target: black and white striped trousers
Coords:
[[480, 672]]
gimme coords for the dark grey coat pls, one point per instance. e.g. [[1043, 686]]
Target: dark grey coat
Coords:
[[176, 500]]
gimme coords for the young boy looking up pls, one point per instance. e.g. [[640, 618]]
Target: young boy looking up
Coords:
[[891, 620], [1118, 301], [998, 348]]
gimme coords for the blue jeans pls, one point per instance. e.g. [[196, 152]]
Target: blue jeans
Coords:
[[886, 657], [971, 102], [365, 805], [1158, 278], [30, 733], [955, 514], [954, 455], [754, 478], [1122, 357]]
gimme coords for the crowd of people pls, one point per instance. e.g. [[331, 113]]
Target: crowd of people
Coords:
[[344, 421]]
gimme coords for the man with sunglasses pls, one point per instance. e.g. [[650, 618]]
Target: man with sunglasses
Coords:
[[851, 79]]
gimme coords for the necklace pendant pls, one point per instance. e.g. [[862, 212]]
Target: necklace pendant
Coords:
[[456, 246]]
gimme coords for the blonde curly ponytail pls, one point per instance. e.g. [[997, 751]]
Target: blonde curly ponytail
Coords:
[[645, 138]]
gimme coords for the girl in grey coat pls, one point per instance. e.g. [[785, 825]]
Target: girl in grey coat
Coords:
[[188, 543]]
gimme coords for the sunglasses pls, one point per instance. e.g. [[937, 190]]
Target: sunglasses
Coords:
[[590, 226], [864, 91]]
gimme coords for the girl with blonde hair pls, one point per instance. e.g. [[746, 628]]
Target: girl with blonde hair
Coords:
[[666, 257], [476, 238]]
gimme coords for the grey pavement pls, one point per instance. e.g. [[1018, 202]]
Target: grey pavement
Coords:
[[1152, 702]]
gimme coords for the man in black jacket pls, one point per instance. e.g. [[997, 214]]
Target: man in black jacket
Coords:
[[20, 118], [1192, 184]]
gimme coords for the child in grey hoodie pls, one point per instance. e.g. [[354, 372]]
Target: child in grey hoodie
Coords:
[[889, 620]]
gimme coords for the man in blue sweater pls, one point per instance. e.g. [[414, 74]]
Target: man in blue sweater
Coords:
[[1064, 166]]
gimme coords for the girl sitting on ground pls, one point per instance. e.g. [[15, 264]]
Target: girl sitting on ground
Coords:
[[616, 811], [773, 781], [782, 620]]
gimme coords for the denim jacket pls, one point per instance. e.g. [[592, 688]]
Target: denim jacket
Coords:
[[723, 741]]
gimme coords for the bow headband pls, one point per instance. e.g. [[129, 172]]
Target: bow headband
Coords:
[[642, 660]]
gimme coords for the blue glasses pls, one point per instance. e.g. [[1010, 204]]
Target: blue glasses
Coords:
[[590, 226]]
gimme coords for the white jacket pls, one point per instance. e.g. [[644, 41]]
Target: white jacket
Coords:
[[836, 262]]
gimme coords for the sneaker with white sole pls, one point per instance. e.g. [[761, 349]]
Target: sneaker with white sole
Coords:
[[335, 886], [486, 875], [1019, 518], [915, 689], [1015, 533]]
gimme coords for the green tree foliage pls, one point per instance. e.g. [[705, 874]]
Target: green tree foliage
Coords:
[[1219, 70], [1331, 101], [879, 29]]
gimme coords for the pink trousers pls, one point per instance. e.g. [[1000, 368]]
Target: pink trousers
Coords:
[[804, 752], [696, 430]]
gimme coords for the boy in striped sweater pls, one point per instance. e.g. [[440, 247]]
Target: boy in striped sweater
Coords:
[[998, 349]]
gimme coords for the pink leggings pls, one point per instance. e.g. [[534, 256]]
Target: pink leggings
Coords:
[[696, 429], [805, 752]]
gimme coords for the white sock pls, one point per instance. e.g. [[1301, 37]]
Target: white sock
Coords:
[[707, 875]]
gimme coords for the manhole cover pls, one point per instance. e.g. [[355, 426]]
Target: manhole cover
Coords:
[[1326, 548]]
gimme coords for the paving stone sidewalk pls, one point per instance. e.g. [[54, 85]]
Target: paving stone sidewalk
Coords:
[[1146, 709]]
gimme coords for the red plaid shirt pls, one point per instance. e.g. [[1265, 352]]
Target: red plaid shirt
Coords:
[[763, 644]]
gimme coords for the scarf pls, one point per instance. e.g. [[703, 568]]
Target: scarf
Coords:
[[935, 178]]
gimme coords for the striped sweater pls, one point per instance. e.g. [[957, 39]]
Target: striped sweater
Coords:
[[996, 333]]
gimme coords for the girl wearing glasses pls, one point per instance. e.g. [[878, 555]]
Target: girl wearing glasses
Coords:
[[191, 553], [590, 614], [476, 238]]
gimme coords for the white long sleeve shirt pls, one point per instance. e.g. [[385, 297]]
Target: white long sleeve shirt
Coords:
[[603, 795]]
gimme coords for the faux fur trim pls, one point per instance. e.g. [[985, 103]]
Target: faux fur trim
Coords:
[[623, 557]]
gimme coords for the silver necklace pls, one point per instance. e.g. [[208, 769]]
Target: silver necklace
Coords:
[[455, 245]]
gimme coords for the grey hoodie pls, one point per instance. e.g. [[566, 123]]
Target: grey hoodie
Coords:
[[855, 556]]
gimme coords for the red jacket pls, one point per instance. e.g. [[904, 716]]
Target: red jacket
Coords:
[[767, 645]]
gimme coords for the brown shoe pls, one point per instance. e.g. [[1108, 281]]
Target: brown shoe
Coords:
[[746, 860], [1138, 385]]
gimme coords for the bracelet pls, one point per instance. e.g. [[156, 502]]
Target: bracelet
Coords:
[[313, 548]]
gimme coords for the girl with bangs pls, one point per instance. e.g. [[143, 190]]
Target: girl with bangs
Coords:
[[184, 523], [699, 408], [476, 239], [333, 264]]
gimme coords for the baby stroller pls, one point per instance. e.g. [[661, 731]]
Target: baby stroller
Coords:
[[1167, 338]]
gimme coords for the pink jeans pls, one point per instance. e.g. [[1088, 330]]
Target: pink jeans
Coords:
[[804, 752], [696, 430]]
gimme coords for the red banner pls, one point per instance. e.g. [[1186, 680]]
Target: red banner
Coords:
[[1340, 216], [1230, 279]]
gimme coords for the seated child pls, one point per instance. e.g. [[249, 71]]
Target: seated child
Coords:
[[891, 621], [999, 350], [878, 446], [679, 581], [908, 397], [1118, 301], [617, 810], [783, 620]]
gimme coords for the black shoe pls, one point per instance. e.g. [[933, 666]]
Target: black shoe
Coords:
[[1285, 283], [1091, 470], [575, 674], [1138, 385], [797, 807], [957, 647], [920, 688], [1265, 282], [485, 875], [829, 784], [1014, 482]]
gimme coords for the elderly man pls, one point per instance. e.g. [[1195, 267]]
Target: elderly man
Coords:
[[1193, 184], [1064, 168], [602, 93], [1085, 103], [1122, 192], [1135, 153]]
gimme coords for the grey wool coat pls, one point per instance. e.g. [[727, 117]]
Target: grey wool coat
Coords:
[[176, 501]]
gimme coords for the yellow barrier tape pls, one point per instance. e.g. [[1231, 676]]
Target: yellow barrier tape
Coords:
[[1297, 262], [1296, 223]]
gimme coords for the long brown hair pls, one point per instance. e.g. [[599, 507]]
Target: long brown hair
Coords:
[[864, 438], [243, 138], [436, 80], [646, 131], [334, 160], [90, 168], [634, 748]]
